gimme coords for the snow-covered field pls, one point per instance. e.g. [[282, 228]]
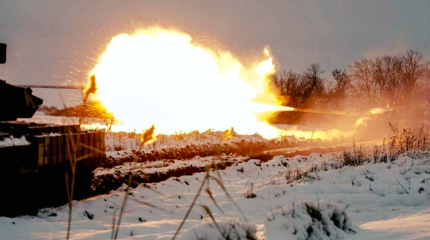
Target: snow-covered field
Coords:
[[300, 197], [269, 200]]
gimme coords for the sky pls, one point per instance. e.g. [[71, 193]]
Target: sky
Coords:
[[59, 42]]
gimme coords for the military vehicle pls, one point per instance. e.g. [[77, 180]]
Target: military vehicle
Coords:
[[26, 146]]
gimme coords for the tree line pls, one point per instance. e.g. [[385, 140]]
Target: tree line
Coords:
[[396, 81]]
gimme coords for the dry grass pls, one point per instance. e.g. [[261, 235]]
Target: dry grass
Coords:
[[409, 139], [208, 177], [147, 137], [70, 180]]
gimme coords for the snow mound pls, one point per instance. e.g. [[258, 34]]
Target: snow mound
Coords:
[[11, 141], [230, 230], [415, 226], [304, 220]]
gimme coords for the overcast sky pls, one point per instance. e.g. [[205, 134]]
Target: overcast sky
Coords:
[[56, 42]]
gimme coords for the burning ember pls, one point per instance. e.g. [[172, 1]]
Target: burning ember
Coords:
[[161, 77]]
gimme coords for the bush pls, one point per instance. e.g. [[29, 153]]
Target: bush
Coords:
[[227, 230], [303, 220]]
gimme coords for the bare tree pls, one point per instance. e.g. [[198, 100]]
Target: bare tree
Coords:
[[413, 70], [363, 73], [339, 89], [402, 81]]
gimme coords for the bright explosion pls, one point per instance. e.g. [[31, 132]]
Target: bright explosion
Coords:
[[160, 77]]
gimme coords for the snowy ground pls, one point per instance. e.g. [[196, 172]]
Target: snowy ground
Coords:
[[381, 201], [373, 201]]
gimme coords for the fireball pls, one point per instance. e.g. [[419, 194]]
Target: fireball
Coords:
[[161, 77]]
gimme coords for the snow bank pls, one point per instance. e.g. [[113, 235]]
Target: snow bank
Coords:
[[415, 226], [11, 141]]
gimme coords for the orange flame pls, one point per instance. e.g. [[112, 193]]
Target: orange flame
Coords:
[[228, 134], [374, 111]]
